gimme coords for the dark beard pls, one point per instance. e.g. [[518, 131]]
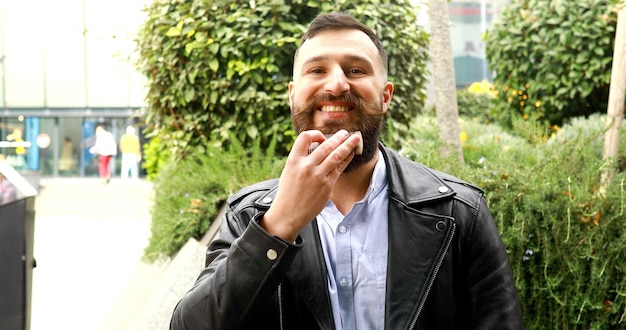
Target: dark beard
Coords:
[[370, 125]]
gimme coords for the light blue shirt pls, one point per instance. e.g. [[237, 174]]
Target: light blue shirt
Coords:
[[355, 250]]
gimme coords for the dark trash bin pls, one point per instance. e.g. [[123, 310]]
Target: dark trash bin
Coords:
[[17, 227]]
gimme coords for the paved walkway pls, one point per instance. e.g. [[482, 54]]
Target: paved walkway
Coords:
[[89, 239]]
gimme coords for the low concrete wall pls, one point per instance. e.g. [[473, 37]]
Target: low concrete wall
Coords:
[[150, 298]]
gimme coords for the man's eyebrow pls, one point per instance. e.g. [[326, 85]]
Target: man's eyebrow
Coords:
[[352, 57]]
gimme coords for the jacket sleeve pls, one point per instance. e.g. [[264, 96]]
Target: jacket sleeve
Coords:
[[243, 269], [493, 297]]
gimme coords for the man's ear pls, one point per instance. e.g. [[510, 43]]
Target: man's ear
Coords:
[[387, 94]]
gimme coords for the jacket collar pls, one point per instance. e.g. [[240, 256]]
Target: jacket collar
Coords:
[[422, 186]]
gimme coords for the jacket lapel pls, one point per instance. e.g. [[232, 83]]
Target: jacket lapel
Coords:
[[417, 243], [418, 239]]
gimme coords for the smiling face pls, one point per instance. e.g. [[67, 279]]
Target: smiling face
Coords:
[[340, 82]]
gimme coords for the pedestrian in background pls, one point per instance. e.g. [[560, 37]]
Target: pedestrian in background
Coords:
[[66, 163], [18, 161], [130, 147], [105, 147]]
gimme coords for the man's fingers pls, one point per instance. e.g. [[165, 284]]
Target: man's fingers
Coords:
[[325, 148], [304, 141], [345, 149], [331, 153], [344, 164]]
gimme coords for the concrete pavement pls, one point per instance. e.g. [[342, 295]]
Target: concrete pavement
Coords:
[[89, 239]]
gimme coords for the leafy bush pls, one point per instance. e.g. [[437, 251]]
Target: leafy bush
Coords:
[[566, 242], [552, 58], [190, 192], [216, 68], [476, 101], [155, 157]]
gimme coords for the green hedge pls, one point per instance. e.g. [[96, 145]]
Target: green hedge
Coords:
[[566, 242], [221, 68], [190, 192], [552, 59]]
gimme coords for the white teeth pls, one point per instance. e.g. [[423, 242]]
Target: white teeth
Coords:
[[334, 108]]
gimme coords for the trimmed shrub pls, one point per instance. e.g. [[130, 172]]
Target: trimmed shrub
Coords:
[[217, 69], [189, 193], [566, 242], [155, 157], [552, 59], [476, 101]]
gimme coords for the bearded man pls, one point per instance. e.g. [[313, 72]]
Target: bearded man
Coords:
[[347, 239]]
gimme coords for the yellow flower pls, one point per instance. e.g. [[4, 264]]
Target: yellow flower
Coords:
[[483, 87], [463, 137]]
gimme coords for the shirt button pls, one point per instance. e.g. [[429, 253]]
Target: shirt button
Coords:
[[443, 189], [343, 281], [267, 200], [343, 229], [271, 254]]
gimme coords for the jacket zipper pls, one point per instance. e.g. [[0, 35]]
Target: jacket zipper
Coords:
[[432, 279], [280, 306]]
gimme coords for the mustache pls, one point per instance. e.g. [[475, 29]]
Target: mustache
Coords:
[[369, 123], [351, 98]]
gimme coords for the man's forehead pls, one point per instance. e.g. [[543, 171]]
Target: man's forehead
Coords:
[[338, 39]]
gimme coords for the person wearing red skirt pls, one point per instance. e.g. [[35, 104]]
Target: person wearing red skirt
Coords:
[[105, 147]]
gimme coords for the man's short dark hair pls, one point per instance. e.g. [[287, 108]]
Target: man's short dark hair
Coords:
[[338, 21]]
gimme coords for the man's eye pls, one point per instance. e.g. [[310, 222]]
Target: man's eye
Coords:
[[355, 71], [317, 71]]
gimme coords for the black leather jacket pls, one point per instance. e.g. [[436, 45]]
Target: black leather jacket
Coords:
[[447, 266]]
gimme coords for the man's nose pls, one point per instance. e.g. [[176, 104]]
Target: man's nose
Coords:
[[337, 83]]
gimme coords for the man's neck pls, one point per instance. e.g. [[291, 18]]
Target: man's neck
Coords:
[[352, 187]]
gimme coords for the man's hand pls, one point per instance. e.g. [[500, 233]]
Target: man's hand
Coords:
[[307, 181]]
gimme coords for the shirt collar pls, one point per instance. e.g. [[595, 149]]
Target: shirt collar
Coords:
[[379, 179]]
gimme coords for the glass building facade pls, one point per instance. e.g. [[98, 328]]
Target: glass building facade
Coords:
[[58, 145], [469, 20], [65, 67]]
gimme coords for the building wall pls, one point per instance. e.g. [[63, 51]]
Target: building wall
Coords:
[[69, 54], [470, 19], [65, 67]]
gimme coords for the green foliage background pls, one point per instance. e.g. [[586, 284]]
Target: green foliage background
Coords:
[[190, 192], [217, 68], [552, 58], [566, 242]]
